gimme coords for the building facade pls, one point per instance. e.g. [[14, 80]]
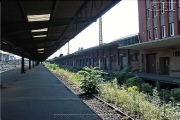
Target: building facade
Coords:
[[106, 56], [153, 52], [160, 23], [159, 35]]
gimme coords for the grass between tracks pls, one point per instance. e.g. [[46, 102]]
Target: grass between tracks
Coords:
[[130, 99]]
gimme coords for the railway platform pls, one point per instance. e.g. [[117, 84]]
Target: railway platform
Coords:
[[39, 95]]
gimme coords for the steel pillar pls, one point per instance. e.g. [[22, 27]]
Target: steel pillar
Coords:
[[29, 64], [128, 54], [100, 31], [22, 64]]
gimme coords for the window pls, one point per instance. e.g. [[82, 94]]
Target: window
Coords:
[[138, 57], [155, 33], [95, 59], [113, 58], [176, 53], [163, 34], [148, 13], [170, 4], [135, 57], [179, 3], [149, 34], [154, 11], [162, 7], [171, 27], [101, 59]]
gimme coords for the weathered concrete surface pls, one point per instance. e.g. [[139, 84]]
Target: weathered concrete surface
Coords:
[[9, 76], [39, 95]]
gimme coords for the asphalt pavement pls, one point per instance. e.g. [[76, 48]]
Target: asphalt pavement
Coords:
[[39, 95]]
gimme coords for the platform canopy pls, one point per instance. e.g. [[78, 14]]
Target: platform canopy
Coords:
[[38, 28], [159, 43]]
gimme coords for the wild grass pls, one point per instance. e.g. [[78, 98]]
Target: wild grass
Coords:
[[70, 77], [133, 99], [142, 105]]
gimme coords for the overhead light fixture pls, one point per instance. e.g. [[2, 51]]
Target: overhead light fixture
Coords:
[[4, 42], [40, 30], [40, 36], [40, 49], [42, 17], [40, 52]]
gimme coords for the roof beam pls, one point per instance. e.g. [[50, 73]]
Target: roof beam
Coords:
[[47, 48], [10, 28], [28, 43], [51, 17], [73, 19]]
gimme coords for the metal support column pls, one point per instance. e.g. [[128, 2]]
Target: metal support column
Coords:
[[29, 64], [100, 31], [129, 61], [22, 64], [32, 64], [68, 52]]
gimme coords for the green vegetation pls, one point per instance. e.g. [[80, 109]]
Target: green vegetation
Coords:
[[176, 93], [52, 66], [91, 79], [133, 81], [122, 75], [128, 93], [146, 88]]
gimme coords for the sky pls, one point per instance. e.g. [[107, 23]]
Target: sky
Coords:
[[119, 21]]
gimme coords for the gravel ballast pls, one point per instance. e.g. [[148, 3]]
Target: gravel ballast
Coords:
[[98, 106]]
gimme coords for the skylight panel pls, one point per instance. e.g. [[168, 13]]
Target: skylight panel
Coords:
[[40, 49], [40, 30], [40, 52], [40, 36], [43, 17]]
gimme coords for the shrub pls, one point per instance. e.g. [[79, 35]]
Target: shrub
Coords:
[[155, 98], [133, 81], [54, 66], [123, 75], [133, 88], [108, 77], [91, 79], [176, 93], [146, 88], [165, 94]]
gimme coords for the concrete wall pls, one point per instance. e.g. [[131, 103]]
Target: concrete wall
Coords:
[[114, 58], [108, 58], [174, 66]]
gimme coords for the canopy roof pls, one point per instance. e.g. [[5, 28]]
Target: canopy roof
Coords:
[[36, 29]]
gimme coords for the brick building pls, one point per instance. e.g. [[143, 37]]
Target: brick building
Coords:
[[159, 33], [106, 56], [153, 53]]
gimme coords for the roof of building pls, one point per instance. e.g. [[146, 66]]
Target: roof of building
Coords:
[[103, 46]]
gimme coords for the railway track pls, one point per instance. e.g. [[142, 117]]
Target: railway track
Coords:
[[8, 67], [105, 110]]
